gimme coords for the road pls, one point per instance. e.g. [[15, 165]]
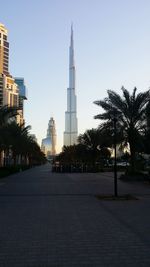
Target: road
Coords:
[[53, 219]]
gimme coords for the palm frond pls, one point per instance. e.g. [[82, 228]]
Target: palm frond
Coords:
[[103, 103], [126, 95], [142, 100], [134, 94], [7, 112], [116, 101], [103, 116]]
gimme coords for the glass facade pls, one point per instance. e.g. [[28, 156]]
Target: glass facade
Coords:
[[21, 87]]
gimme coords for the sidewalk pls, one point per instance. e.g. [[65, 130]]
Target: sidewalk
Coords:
[[52, 219]]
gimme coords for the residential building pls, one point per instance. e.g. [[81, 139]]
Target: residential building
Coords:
[[4, 50], [12, 90]]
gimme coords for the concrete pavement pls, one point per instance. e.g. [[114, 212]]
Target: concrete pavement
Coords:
[[53, 219]]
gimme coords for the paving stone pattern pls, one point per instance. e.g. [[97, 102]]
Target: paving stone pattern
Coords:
[[53, 219]]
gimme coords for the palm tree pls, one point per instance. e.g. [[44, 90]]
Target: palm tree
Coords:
[[96, 143], [17, 137], [23, 148], [7, 113], [130, 114], [34, 153]]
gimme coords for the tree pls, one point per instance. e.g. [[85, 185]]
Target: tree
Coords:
[[88, 154], [17, 137], [130, 113], [96, 143], [91, 140], [24, 150], [7, 113]]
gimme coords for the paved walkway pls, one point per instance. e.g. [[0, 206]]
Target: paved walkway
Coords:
[[52, 219]]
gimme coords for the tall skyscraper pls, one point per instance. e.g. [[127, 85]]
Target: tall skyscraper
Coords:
[[51, 131], [49, 143], [11, 89], [71, 127], [4, 51]]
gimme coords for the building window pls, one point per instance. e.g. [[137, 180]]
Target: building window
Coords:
[[15, 100], [6, 53], [6, 49], [6, 44], [5, 61], [10, 100]]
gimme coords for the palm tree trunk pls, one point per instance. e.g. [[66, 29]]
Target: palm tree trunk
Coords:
[[133, 156], [1, 158]]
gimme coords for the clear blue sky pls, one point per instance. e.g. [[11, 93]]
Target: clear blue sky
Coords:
[[112, 48]]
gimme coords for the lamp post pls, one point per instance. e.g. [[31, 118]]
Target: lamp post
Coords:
[[115, 159], [9, 155]]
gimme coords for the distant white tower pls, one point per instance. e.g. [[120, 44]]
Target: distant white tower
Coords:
[[49, 143], [51, 131], [71, 127]]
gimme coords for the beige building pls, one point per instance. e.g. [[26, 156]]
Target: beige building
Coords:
[[4, 51], [11, 92], [9, 89]]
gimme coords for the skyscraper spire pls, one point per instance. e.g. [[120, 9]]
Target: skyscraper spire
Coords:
[[70, 134], [71, 46], [71, 62]]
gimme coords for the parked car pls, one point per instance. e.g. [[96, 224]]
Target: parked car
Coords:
[[123, 164]]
